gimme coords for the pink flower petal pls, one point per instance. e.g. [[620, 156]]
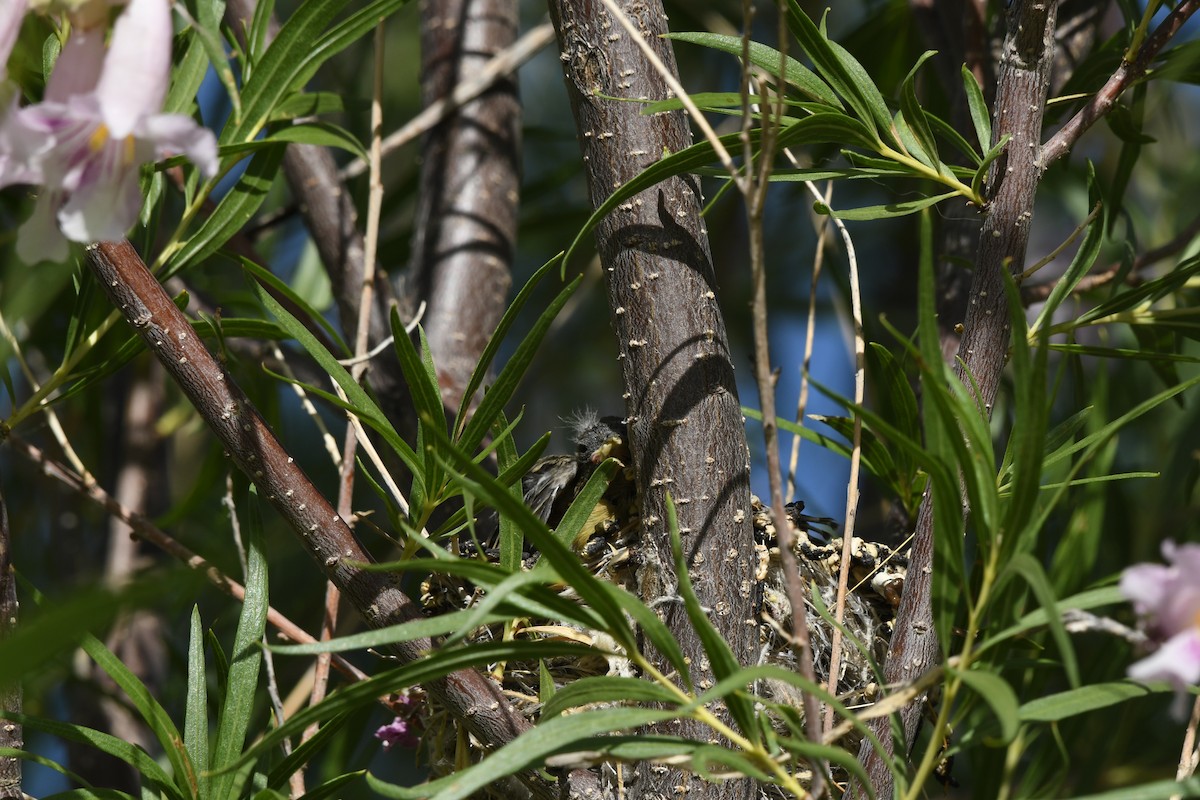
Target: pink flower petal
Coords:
[[176, 133], [11, 14], [78, 66], [39, 239], [138, 66], [1177, 661]]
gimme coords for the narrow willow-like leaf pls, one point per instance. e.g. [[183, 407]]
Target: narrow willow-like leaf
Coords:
[[767, 58], [480, 373], [186, 77], [607, 689], [841, 70], [514, 369], [914, 114], [151, 712], [1028, 568], [195, 717], [476, 480], [320, 133], [558, 735], [571, 530], [265, 276], [437, 664], [273, 74], [359, 401], [308, 104], [1029, 430], [1072, 703], [885, 211], [302, 755], [947, 580], [981, 118], [998, 695], [246, 658], [651, 626], [232, 213], [1085, 256], [1093, 598], [131, 754]]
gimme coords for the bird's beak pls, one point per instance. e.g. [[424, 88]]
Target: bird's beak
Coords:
[[611, 446]]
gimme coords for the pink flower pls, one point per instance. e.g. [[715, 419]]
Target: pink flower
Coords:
[[397, 732], [98, 123], [1168, 600]]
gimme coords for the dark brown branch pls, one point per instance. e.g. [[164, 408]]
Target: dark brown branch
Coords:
[[1022, 83], [472, 698], [1125, 76], [11, 733], [466, 224], [681, 398], [1036, 293]]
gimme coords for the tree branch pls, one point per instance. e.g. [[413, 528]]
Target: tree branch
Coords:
[[11, 733], [473, 699], [1125, 76], [1022, 83]]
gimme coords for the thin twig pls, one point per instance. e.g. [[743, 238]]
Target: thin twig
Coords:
[[809, 331], [1188, 756], [852, 493], [753, 186], [1038, 292], [144, 529], [1132, 68], [501, 64], [1056, 252]]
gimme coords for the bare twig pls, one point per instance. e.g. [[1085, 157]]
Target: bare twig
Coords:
[[753, 185], [503, 63], [1036, 293], [144, 529], [1132, 68]]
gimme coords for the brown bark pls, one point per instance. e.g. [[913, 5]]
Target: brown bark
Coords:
[[1022, 84], [474, 699], [681, 399], [11, 733], [466, 223]]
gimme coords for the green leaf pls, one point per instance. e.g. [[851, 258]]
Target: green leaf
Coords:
[[131, 754], [766, 58], [514, 369], [320, 133], [999, 696], [232, 213], [361, 403], [841, 70], [720, 655], [1084, 260], [914, 114], [607, 689], [195, 717], [246, 660], [886, 210], [1028, 568], [1157, 790], [981, 118], [1081, 700], [307, 104], [554, 736], [1093, 598]]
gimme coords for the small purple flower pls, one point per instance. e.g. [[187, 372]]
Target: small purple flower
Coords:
[[1168, 600], [397, 732]]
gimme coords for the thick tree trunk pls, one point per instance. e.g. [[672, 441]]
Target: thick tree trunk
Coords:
[[681, 400]]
